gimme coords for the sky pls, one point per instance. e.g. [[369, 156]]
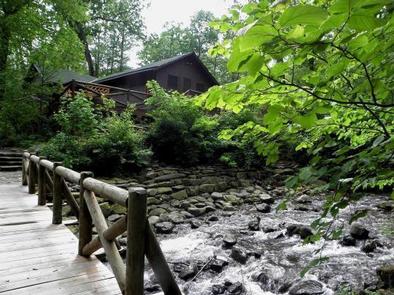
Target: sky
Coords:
[[160, 12]]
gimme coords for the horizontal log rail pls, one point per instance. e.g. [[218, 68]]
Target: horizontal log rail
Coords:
[[51, 178]]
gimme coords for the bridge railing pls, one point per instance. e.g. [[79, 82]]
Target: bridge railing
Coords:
[[50, 179]]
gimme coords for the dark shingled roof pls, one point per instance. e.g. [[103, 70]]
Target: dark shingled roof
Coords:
[[65, 76], [154, 66]]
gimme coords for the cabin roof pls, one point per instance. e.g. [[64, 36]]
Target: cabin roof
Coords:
[[156, 66]]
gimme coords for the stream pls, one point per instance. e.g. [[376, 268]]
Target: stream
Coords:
[[266, 260]]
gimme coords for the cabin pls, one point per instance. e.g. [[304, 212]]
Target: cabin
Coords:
[[184, 73]]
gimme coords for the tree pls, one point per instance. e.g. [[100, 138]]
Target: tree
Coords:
[[199, 37], [322, 75]]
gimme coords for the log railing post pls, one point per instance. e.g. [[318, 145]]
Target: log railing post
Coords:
[[41, 183], [85, 220], [57, 195], [136, 222], [24, 171], [32, 177]]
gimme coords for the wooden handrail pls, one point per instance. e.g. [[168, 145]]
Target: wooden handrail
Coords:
[[48, 176]]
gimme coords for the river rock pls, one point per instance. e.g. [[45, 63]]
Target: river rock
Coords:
[[217, 196], [386, 206], [229, 241], [218, 289], [114, 217], [261, 278], [369, 246], [218, 264], [164, 190], [239, 255], [308, 287], [348, 240], [207, 188], [188, 273], [106, 209], [235, 289], [298, 229], [266, 198], [303, 199], [179, 195], [359, 232], [196, 211], [164, 227], [263, 208], [168, 177], [386, 275], [195, 224], [213, 218], [254, 225], [153, 219], [157, 211]]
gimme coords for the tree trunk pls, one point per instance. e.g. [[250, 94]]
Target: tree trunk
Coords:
[[80, 30]]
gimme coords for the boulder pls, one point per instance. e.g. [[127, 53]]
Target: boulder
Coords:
[[263, 208], [298, 229], [307, 287], [239, 255], [196, 211], [164, 190], [207, 188], [195, 224], [218, 264], [153, 220], [254, 225], [188, 273], [213, 218], [359, 232], [229, 240], [266, 198], [348, 240], [236, 289], [179, 195], [217, 196], [218, 289], [369, 246], [157, 211], [164, 227]]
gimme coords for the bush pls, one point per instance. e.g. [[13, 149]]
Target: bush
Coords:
[[87, 139]]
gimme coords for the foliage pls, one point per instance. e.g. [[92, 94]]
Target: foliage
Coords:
[[322, 73], [90, 140], [182, 133]]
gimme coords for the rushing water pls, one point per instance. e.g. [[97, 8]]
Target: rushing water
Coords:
[[275, 255]]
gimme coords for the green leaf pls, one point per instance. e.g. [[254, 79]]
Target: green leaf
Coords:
[[256, 36], [357, 215], [307, 121], [303, 15]]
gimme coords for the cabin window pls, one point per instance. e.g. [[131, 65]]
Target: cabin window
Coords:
[[201, 87], [172, 82], [187, 84]]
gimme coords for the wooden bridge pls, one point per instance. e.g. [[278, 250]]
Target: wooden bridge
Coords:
[[39, 255]]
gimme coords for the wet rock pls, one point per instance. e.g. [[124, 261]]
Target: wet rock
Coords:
[[266, 198], [254, 225], [218, 289], [263, 208], [348, 240], [218, 264], [308, 287], [213, 218], [196, 211], [151, 287], [236, 289], [239, 255], [106, 209], [210, 208], [207, 188], [180, 195], [174, 217], [153, 201], [195, 224], [269, 229], [232, 199], [168, 177], [164, 190], [359, 232], [217, 196], [164, 227], [229, 241], [188, 273], [369, 246], [151, 192], [261, 278], [298, 229], [386, 275], [157, 212], [386, 206], [303, 199]]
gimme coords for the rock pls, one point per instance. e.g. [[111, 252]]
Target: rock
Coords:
[[164, 190], [269, 229], [369, 246], [217, 196], [168, 177], [196, 211], [233, 200], [386, 206], [263, 208], [254, 225], [308, 287], [213, 218], [386, 275], [114, 217], [348, 240], [180, 195], [298, 229], [229, 241], [303, 199], [210, 209], [239, 255], [266, 198], [207, 188], [218, 264], [236, 289], [218, 289], [153, 201], [359, 232], [106, 209], [174, 217], [157, 211], [118, 209], [164, 227], [153, 220], [261, 278], [188, 273], [151, 191], [195, 224]]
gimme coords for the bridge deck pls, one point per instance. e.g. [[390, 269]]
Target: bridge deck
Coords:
[[37, 257]]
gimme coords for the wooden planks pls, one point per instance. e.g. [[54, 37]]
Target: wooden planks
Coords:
[[40, 258]]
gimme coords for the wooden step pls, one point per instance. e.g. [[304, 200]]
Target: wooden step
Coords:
[[10, 162]]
